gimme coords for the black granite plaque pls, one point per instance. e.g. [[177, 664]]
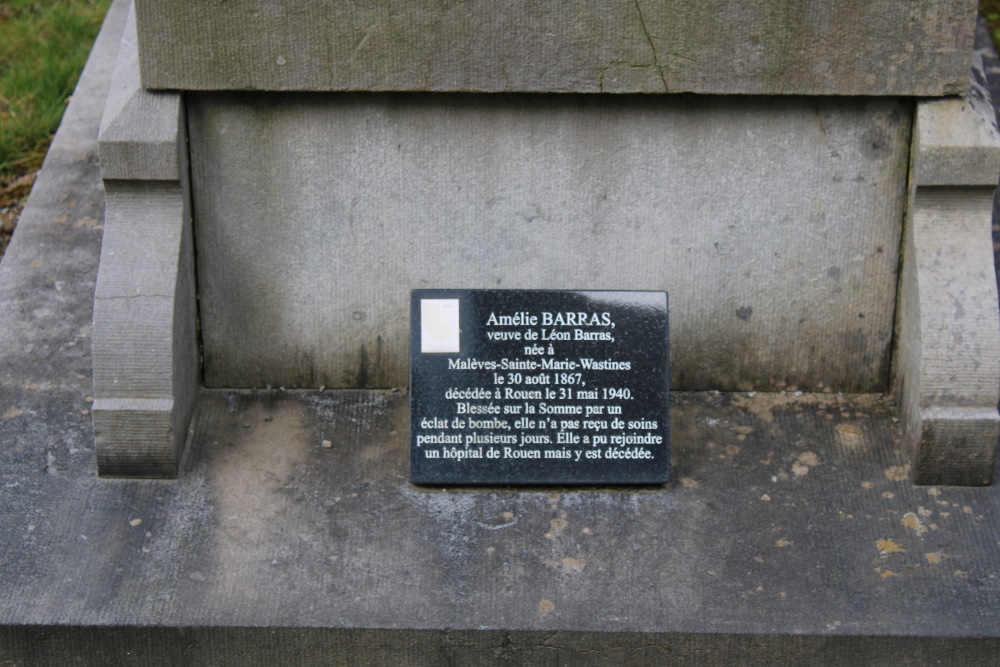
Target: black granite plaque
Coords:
[[539, 387]]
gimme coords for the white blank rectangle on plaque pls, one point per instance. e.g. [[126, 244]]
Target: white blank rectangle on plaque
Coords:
[[439, 330]]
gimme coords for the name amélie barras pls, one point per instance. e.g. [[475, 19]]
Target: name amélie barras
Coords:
[[568, 319]]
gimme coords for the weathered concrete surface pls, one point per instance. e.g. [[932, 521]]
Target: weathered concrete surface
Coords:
[[813, 47], [774, 224], [791, 534], [947, 374], [146, 369], [47, 280]]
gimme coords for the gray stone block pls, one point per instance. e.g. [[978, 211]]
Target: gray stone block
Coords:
[[953, 446], [813, 47], [958, 138], [139, 132], [773, 223], [138, 437], [145, 342]]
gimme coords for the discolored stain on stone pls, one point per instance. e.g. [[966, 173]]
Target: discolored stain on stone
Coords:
[[897, 473], [886, 547]]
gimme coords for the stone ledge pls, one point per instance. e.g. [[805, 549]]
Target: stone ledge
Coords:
[[265, 647], [759, 47]]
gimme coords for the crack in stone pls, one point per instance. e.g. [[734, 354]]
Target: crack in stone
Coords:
[[604, 70], [652, 47], [133, 296]]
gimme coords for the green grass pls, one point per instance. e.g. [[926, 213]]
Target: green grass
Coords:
[[990, 9], [43, 47]]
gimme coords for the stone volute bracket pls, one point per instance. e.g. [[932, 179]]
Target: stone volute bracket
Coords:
[[947, 363], [145, 345]]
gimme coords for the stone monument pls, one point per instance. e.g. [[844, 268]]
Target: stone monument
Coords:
[[808, 181], [818, 208]]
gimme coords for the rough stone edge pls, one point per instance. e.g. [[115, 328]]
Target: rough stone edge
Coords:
[[143, 407], [152, 646], [947, 375]]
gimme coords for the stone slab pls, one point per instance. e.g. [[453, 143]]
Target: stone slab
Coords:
[[791, 532], [814, 47], [773, 223], [47, 281]]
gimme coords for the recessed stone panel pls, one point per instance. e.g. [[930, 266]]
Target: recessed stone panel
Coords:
[[774, 225]]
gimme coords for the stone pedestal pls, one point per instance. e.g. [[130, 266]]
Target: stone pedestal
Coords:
[[774, 222]]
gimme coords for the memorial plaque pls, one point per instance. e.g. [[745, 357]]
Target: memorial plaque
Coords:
[[539, 387]]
